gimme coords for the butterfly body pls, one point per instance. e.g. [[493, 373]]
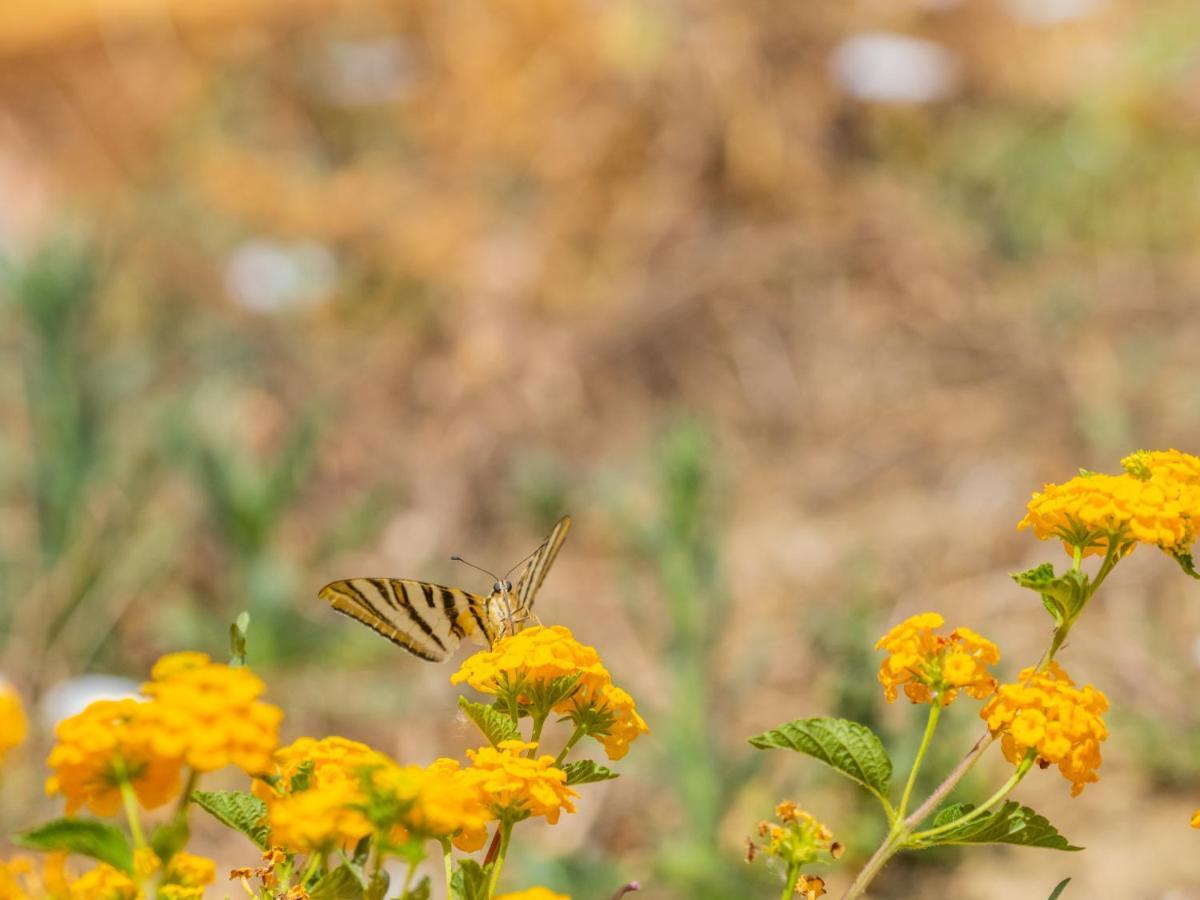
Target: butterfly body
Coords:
[[430, 620]]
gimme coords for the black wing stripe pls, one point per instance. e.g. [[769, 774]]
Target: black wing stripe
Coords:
[[450, 609], [411, 610], [385, 591], [348, 600], [427, 590]]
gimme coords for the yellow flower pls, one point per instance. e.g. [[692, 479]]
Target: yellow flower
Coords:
[[210, 714], [516, 787], [328, 760], [533, 893], [1156, 501], [1171, 465], [326, 810], [322, 818], [106, 883], [110, 742], [609, 714], [12, 721], [15, 877], [928, 665], [1045, 712], [1196, 819], [529, 658], [528, 665], [186, 876], [438, 801]]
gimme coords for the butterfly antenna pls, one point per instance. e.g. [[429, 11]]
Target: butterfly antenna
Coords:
[[473, 566]]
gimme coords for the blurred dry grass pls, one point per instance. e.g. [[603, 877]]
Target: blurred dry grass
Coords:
[[484, 254]]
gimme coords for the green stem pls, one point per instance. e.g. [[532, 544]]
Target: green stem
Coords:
[[505, 834], [538, 722], [578, 733], [447, 865], [983, 808], [789, 888], [314, 865], [408, 877], [935, 712], [186, 798], [129, 799]]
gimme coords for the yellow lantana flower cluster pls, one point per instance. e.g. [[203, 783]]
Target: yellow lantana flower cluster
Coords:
[[201, 713], [1155, 501], [210, 713], [321, 792], [529, 663], [316, 799], [438, 801], [1045, 712], [516, 787], [929, 665], [110, 742], [13, 726]]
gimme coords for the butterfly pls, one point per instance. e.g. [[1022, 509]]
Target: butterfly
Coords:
[[429, 620]]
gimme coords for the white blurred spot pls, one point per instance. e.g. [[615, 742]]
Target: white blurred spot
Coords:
[[1051, 12], [74, 695], [894, 68], [367, 72], [269, 276]]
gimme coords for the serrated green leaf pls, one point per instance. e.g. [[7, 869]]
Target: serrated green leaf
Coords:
[[1011, 824], [87, 837], [240, 811], [170, 837], [586, 771], [495, 725], [1062, 595], [1059, 888], [1186, 563], [340, 884], [850, 748], [469, 881]]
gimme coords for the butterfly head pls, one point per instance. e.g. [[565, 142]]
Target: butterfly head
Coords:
[[502, 587]]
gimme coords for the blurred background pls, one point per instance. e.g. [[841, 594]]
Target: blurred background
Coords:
[[790, 305]]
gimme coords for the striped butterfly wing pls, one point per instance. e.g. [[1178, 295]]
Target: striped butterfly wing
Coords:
[[427, 620], [539, 564]]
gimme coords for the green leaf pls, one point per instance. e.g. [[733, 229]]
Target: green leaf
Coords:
[[303, 775], [340, 884], [1059, 888], [378, 885], [170, 837], [240, 811], [1062, 595], [495, 725], [1186, 563], [585, 771], [237, 640], [87, 837], [850, 748], [1011, 824], [469, 881]]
